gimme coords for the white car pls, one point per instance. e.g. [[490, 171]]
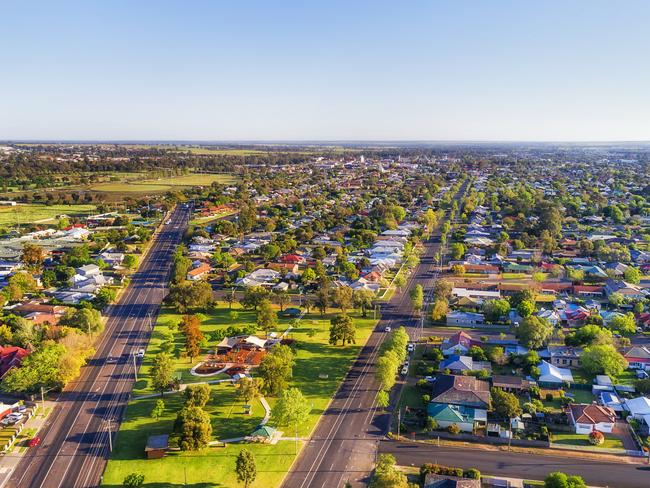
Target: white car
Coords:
[[405, 370], [410, 347], [140, 354], [387, 329]]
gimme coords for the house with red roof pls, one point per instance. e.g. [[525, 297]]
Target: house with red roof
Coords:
[[459, 343], [11, 357]]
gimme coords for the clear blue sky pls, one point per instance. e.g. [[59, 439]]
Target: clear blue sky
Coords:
[[242, 70]]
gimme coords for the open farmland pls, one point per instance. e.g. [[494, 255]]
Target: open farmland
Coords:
[[163, 184], [30, 213]]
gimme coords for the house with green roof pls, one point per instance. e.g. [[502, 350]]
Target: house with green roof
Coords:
[[467, 418]]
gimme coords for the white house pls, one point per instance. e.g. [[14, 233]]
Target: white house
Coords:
[[587, 417], [464, 318], [553, 374]]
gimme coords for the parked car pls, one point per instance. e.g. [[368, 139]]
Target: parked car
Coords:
[[21, 408], [387, 329], [34, 441], [410, 347], [140, 354], [405, 370]]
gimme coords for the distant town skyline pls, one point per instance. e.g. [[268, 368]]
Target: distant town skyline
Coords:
[[441, 71]]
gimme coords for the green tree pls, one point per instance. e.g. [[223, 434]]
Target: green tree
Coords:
[[561, 480], [363, 299], [494, 310], [505, 404], [417, 297], [253, 296], [526, 308], [245, 467], [386, 474], [342, 329], [194, 428], [88, 320], [282, 298], [248, 389], [266, 316], [39, 369], [625, 324], [291, 408], [342, 297], [383, 399], [276, 369], [457, 250], [385, 371], [190, 294], [534, 332], [197, 395], [130, 261], [158, 409], [162, 372], [603, 359], [308, 275]]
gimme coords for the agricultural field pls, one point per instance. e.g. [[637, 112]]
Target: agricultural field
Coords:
[[161, 185], [319, 369], [29, 213]]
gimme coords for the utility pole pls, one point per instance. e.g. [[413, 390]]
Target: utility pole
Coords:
[[110, 436], [135, 367], [399, 421], [43, 399]]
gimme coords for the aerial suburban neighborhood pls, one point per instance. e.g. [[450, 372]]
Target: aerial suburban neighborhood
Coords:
[[325, 244], [461, 300]]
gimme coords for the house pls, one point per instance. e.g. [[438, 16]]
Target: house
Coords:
[[11, 357], [459, 364], [260, 277], [563, 356], [112, 258], [198, 273], [587, 417], [461, 390], [638, 357], [628, 290], [509, 383], [638, 407], [461, 400], [465, 318], [459, 343], [466, 418], [552, 375]]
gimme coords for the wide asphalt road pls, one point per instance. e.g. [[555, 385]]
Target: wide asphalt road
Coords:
[[344, 444], [75, 439], [518, 465]]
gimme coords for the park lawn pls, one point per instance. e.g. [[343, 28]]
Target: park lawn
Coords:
[[210, 323], [196, 179], [29, 213], [318, 371], [582, 440]]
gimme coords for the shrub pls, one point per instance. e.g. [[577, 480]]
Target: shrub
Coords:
[[426, 399], [549, 397], [422, 383], [431, 424], [453, 429], [472, 473], [596, 438]]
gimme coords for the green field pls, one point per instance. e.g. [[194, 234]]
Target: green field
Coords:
[[160, 185], [29, 213], [214, 467]]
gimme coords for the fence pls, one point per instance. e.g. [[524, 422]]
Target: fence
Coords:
[[489, 440]]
